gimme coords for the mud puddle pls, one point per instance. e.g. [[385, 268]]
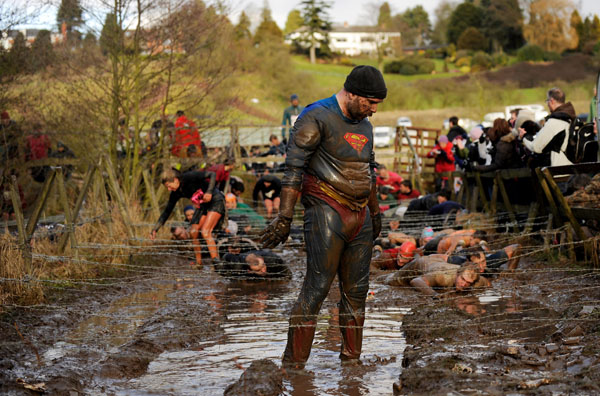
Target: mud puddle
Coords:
[[253, 325]]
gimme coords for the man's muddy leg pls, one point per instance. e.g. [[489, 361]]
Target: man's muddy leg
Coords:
[[323, 250], [353, 275]]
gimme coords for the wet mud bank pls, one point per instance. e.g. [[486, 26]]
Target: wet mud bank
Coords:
[[535, 332], [84, 339]]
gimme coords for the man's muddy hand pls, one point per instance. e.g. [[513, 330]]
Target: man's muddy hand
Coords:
[[276, 232]]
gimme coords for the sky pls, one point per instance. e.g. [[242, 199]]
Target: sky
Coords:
[[364, 12], [355, 12]]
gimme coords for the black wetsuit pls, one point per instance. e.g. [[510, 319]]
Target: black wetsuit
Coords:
[[493, 262], [189, 183], [271, 192], [235, 266], [330, 159]]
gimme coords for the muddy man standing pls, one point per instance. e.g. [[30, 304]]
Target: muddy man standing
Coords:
[[330, 160]]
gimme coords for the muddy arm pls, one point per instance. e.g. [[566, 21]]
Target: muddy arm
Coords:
[[421, 285]]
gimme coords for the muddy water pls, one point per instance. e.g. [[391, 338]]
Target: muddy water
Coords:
[[252, 320], [249, 337]]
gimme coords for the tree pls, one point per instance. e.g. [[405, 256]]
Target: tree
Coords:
[[19, 56], [111, 34], [314, 14], [42, 53], [268, 29], [502, 24], [587, 31], [293, 22], [464, 16], [70, 13], [548, 25], [384, 20], [417, 20], [242, 29], [443, 12], [472, 39]]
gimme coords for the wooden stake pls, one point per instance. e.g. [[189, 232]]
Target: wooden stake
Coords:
[[40, 203], [69, 226], [87, 181], [151, 193]]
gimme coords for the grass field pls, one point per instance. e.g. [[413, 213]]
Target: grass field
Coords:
[[429, 99]]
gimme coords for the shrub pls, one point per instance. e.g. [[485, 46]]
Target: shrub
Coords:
[[551, 56], [481, 61], [465, 61], [530, 52], [472, 39], [500, 59], [410, 65]]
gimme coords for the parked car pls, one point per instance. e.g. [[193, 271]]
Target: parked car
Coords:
[[466, 123], [404, 121], [383, 136], [488, 119], [537, 109]]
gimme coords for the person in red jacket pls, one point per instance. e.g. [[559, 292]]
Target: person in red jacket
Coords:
[[406, 191], [444, 161], [386, 177], [186, 134]]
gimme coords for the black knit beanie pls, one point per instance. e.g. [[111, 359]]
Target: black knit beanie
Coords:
[[366, 81]]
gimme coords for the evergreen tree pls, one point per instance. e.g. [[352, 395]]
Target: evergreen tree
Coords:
[[472, 39], [443, 12], [19, 56], [110, 37], [242, 29], [464, 16], [316, 20], [70, 13], [502, 24], [417, 20], [293, 22], [268, 29], [384, 20], [42, 53]]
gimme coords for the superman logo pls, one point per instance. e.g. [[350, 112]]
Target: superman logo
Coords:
[[356, 140]]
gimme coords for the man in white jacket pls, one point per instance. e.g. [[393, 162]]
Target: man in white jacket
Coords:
[[553, 136]]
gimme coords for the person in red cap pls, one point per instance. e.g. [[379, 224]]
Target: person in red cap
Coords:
[[330, 160], [444, 161], [393, 259]]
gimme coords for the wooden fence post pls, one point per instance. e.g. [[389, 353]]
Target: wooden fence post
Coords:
[[508, 206], [87, 181], [69, 226], [17, 207], [40, 203], [100, 182], [151, 192], [118, 196]]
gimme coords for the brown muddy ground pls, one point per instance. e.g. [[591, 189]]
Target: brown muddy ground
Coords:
[[527, 75], [177, 330]]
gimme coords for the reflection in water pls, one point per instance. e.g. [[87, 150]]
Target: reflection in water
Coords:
[[254, 326], [121, 319]]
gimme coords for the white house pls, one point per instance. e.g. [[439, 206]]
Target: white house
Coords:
[[352, 40], [7, 38]]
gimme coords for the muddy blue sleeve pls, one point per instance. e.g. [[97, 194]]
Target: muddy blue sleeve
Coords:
[[304, 141]]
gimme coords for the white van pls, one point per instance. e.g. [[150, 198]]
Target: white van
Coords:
[[383, 136]]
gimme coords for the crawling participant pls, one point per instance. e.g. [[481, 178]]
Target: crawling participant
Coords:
[[428, 273], [489, 264], [254, 264], [391, 259], [447, 243]]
